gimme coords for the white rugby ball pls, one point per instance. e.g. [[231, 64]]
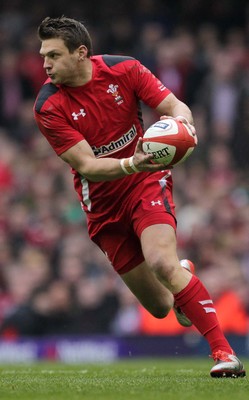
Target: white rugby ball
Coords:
[[170, 141]]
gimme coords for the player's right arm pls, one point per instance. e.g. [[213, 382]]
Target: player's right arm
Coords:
[[81, 158], [70, 145]]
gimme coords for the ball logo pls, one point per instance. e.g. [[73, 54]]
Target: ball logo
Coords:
[[161, 125], [148, 149], [169, 141], [161, 153]]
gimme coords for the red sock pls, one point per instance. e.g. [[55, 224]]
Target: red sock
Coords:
[[197, 305]]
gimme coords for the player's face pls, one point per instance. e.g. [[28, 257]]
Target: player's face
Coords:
[[60, 65]]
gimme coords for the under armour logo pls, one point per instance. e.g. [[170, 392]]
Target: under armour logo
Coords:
[[154, 203], [81, 113]]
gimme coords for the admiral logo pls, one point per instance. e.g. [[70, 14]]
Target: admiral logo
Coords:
[[116, 145]]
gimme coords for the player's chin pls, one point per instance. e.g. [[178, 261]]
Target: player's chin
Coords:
[[54, 79]]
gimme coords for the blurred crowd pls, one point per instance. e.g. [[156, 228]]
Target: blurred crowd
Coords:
[[53, 280]]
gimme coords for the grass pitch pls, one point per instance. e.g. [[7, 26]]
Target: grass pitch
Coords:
[[144, 379]]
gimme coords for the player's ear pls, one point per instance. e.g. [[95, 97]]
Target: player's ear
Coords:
[[82, 52]]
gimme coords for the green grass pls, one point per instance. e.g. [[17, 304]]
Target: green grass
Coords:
[[150, 379]]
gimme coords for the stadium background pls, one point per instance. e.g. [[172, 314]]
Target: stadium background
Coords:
[[53, 281]]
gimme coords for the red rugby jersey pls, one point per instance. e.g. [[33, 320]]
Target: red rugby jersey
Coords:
[[106, 112]]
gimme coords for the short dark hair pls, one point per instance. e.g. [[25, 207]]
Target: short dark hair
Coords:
[[72, 32]]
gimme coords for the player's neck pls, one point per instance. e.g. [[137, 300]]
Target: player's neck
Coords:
[[84, 73]]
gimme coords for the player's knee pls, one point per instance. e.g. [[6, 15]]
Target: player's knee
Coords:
[[163, 269]]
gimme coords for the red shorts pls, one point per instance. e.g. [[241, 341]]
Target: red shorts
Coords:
[[149, 203]]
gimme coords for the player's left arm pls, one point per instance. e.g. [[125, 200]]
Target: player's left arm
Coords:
[[152, 92], [171, 106]]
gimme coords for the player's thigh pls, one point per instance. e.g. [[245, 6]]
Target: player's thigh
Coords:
[[159, 249], [120, 245], [143, 283], [159, 246]]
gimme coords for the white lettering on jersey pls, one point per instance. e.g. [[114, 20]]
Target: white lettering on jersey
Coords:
[[116, 145]]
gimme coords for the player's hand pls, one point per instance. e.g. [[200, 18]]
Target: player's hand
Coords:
[[186, 122], [143, 162]]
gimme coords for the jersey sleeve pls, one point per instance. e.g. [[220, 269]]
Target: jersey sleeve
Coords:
[[147, 86], [55, 127]]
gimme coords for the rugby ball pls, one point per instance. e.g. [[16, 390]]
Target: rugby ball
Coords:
[[170, 141]]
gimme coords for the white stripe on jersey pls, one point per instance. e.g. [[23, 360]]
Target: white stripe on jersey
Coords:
[[163, 180], [207, 309], [203, 302], [85, 193]]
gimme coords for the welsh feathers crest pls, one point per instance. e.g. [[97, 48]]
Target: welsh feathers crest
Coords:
[[113, 89]]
